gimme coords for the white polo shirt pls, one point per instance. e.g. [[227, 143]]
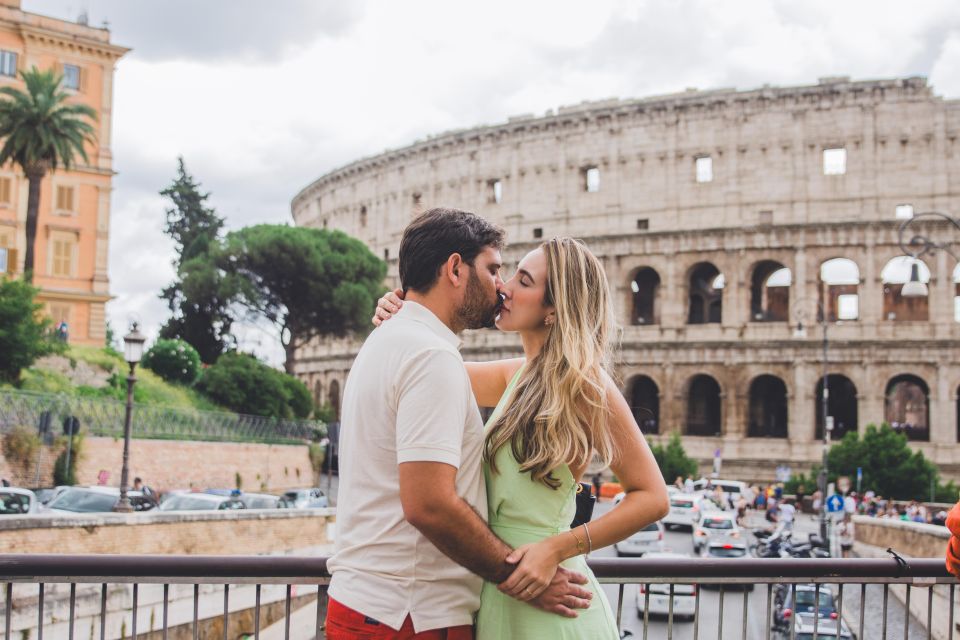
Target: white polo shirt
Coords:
[[407, 399]]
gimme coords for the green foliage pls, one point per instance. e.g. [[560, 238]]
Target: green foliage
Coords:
[[198, 297], [318, 454], [173, 360], [61, 474], [20, 448], [673, 460], [243, 384], [42, 129], [308, 282], [324, 413], [24, 331]]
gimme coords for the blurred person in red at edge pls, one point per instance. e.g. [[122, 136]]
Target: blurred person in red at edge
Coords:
[[953, 547]]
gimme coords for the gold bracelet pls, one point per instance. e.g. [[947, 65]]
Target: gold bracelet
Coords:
[[579, 542], [589, 540]]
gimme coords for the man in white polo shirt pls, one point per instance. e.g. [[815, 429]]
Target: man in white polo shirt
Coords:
[[412, 544]]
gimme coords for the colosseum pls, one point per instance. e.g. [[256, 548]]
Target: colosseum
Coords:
[[737, 228]]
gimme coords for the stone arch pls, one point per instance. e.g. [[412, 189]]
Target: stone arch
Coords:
[[767, 412], [333, 398], [705, 294], [841, 404], [704, 415], [645, 299], [318, 392], [644, 399], [896, 273], [770, 292], [907, 406], [840, 289]]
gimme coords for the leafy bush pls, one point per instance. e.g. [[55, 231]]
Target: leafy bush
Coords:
[[173, 360], [243, 384], [24, 330], [20, 447], [673, 460]]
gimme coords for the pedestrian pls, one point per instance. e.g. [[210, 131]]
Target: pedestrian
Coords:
[[4, 483], [142, 488], [688, 485], [678, 483], [787, 514], [801, 494], [597, 484]]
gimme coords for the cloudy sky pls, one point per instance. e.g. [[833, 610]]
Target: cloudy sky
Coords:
[[261, 98]]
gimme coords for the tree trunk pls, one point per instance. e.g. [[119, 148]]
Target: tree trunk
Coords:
[[290, 349], [33, 210]]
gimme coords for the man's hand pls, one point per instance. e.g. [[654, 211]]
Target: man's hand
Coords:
[[563, 596]]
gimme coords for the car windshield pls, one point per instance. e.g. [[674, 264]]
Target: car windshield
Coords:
[[727, 552], [293, 496], [805, 601], [717, 523], [261, 503], [13, 504], [651, 528], [84, 501], [188, 503], [681, 502]]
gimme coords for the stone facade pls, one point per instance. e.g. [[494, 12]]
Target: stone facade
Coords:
[[719, 217]]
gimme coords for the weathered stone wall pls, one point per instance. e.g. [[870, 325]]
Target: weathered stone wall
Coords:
[[181, 464], [769, 199]]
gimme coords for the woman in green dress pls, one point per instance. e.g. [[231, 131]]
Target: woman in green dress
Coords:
[[557, 408]]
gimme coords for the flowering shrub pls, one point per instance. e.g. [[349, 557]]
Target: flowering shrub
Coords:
[[173, 360]]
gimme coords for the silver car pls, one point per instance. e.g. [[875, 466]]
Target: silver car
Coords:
[[648, 539], [656, 597]]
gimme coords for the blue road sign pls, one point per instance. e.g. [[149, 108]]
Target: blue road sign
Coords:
[[834, 503]]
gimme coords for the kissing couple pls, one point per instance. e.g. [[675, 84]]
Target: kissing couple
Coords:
[[449, 528]]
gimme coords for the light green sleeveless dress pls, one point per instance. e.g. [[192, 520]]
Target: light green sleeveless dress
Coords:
[[522, 511]]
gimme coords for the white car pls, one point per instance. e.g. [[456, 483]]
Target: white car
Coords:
[[647, 540], [259, 500], [684, 595], [17, 502], [732, 488], [683, 506], [201, 502], [713, 526], [303, 499]]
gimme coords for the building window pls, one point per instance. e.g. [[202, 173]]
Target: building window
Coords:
[[766, 218], [386, 254], [643, 224], [704, 166], [538, 232], [71, 77], [4, 260], [495, 194], [363, 216], [8, 64], [591, 182], [904, 211], [65, 199], [834, 162], [8, 255], [417, 196], [63, 252], [6, 191]]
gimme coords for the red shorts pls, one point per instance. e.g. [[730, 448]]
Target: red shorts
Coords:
[[343, 623]]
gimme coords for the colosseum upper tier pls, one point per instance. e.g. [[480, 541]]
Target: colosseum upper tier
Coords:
[[751, 242]]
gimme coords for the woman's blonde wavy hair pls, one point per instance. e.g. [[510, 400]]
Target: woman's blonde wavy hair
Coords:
[[558, 412]]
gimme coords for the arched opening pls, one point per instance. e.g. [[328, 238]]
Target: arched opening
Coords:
[[646, 290], [839, 289], [768, 408], [841, 405], [895, 274], [645, 404], [318, 393], [334, 399], [703, 407], [907, 407], [770, 292], [956, 293], [706, 294]]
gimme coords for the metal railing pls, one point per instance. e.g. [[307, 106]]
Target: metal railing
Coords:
[[260, 581], [103, 417]]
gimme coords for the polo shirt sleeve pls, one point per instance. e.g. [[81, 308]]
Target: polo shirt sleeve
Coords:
[[431, 408]]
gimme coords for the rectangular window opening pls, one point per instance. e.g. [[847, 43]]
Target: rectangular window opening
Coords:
[[4, 260], [6, 191], [591, 179], [904, 211], [386, 254], [538, 232], [363, 216], [495, 194], [704, 167], [71, 77], [848, 306], [65, 199], [8, 64], [63, 251], [834, 161], [643, 224], [766, 218]]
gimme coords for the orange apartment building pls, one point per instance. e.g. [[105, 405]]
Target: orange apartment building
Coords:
[[73, 229]]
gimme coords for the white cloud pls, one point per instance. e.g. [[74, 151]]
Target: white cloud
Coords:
[[261, 100]]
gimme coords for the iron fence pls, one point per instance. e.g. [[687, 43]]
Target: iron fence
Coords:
[[102, 417], [214, 584]]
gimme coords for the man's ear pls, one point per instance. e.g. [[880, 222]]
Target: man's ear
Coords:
[[454, 269]]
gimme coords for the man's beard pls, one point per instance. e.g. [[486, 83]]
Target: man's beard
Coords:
[[477, 311]]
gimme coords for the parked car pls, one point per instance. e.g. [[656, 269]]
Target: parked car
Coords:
[[714, 525], [201, 502], [259, 501], [726, 549], [684, 595], [46, 494], [303, 499], [648, 539], [804, 626], [95, 499], [683, 506], [15, 501], [806, 603]]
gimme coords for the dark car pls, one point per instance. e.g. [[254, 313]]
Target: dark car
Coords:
[[806, 602]]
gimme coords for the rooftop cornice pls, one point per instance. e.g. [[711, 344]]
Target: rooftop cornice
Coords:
[[49, 37]]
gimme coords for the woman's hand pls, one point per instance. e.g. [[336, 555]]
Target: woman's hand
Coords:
[[388, 305], [538, 564]]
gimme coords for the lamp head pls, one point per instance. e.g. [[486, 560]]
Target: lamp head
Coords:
[[133, 345]]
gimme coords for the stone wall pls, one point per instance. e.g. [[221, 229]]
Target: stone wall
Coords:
[[181, 464]]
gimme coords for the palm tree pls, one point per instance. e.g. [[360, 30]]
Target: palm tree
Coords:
[[41, 132]]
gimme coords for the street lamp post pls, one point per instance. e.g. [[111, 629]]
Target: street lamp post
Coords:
[[824, 408], [133, 351], [918, 246]]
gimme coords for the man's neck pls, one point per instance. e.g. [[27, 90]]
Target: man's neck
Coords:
[[438, 305]]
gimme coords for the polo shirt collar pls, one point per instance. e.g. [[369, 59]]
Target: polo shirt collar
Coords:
[[419, 313]]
